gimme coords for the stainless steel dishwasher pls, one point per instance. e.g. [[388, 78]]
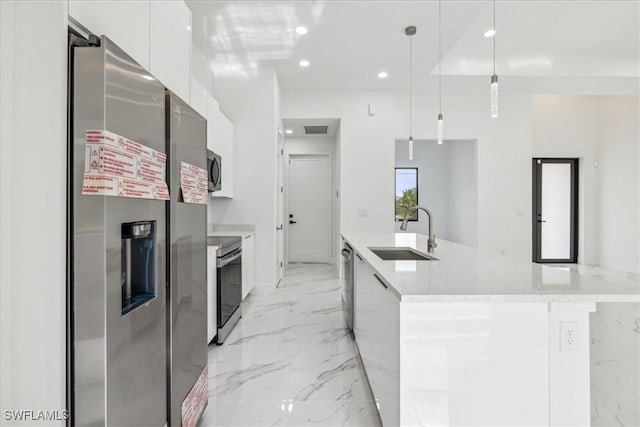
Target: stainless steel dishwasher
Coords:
[[347, 287]]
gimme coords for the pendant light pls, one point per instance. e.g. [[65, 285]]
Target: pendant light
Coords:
[[410, 31], [494, 77], [440, 128]]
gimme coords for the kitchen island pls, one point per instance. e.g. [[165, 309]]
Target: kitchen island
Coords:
[[474, 337]]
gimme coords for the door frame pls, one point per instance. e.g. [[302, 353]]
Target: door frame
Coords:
[[536, 220], [287, 178], [280, 209]]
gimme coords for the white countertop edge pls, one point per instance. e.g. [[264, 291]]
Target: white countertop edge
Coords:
[[215, 230], [562, 298]]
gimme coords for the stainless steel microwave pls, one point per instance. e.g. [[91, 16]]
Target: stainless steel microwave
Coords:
[[214, 167]]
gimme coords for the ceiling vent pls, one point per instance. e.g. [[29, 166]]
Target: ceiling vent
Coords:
[[316, 130]]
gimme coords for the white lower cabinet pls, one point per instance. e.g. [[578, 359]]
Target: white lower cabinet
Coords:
[[212, 292], [248, 264], [377, 331]]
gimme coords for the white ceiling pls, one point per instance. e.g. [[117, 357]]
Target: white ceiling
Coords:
[[350, 41], [297, 127]]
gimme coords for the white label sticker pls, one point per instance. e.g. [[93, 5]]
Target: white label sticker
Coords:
[[193, 183], [117, 166]]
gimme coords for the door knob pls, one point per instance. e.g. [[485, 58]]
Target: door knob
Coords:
[[292, 222]]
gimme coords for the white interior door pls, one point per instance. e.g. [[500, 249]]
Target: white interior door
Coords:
[[309, 197]]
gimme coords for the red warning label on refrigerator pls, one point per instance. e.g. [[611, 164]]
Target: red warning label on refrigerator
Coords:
[[193, 183], [117, 166], [193, 405]]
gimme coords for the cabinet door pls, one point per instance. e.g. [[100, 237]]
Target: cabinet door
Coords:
[[170, 45], [211, 292], [126, 23], [248, 265], [377, 331], [198, 98]]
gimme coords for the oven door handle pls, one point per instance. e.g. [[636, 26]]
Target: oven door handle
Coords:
[[230, 257]]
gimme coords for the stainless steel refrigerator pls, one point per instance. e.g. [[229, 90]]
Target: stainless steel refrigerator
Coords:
[[137, 252], [187, 234]]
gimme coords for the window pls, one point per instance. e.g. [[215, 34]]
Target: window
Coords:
[[406, 192]]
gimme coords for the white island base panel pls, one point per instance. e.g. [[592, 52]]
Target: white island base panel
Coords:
[[493, 364]]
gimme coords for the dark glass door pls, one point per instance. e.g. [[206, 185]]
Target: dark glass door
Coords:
[[555, 210]]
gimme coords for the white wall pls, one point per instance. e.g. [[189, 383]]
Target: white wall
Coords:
[[32, 211], [316, 144], [603, 129], [463, 192], [618, 148], [255, 146], [367, 155], [446, 186]]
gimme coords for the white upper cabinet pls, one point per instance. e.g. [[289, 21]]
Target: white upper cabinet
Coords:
[[170, 45], [220, 141], [199, 98], [126, 23]]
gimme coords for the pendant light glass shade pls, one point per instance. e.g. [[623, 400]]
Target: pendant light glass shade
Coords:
[[410, 148], [494, 96], [440, 129]]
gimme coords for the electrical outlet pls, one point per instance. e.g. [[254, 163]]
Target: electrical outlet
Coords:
[[568, 336]]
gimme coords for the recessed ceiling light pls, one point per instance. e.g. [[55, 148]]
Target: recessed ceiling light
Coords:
[[302, 30], [188, 27], [288, 131], [147, 76], [383, 75], [304, 63], [490, 33]]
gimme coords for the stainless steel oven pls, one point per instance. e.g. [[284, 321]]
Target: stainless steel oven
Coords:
[[229, 283], [347, 284]]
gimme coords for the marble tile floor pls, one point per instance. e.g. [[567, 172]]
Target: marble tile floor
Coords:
[[290, 361]]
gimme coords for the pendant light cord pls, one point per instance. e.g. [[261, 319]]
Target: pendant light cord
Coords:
[[494, 37], [440, 55], [411, 86]]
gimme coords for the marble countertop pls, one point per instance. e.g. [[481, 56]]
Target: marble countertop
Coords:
[[242, 230], [464, 273]]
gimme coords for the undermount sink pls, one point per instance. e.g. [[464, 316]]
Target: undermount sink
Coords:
[[401, 254]]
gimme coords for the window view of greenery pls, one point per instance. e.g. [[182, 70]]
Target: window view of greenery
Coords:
[[406, 192]]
